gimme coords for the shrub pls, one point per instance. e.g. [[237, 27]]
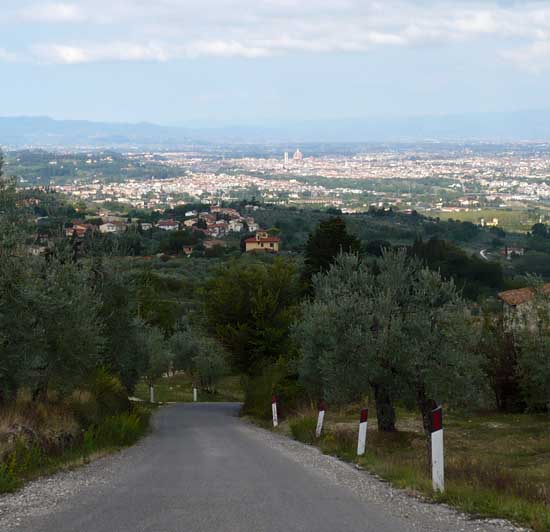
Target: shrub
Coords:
[[8, 482], [109, 393], [117, 431], [278, 380], [303, 429], [84, 407]]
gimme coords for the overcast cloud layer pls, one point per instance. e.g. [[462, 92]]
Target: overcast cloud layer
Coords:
[[87, 31], [261, 61]]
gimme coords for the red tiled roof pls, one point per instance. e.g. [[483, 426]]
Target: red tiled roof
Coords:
[[168, 222], [521, 295], [267, 240]]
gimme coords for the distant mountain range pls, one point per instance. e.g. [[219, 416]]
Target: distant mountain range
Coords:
[[20, 132]]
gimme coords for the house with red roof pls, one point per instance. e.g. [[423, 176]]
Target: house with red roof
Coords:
[[168, 225], [263, 242]]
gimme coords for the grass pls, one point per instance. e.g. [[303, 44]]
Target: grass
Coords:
[[517, 220], [29, 460], [496, 465], [179, 388]]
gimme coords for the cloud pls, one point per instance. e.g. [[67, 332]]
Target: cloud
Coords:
[[534, 58], [6, 56], [164, 30], [53, 12], [73, 55]]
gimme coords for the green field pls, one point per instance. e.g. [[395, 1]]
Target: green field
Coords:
[[510, 220]]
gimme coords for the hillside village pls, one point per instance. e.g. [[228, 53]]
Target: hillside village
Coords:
[[210, 227]]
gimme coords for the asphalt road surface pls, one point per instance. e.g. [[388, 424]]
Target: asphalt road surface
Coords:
[[202, 469]]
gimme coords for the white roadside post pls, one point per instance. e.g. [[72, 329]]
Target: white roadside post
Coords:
[[274, 410], [320, 419], [194, 395], [151, 393], [362, 440], [438, 464]]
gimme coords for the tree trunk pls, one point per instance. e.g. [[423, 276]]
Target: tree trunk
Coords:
[[384, 409], [426, 405]]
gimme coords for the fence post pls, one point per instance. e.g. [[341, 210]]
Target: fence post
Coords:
[[320, 419], [274, 410], [438, 463], [362, 439], [151, 393], [194, 395]]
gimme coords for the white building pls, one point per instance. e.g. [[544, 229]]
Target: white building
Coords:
[[108, 227], [168, 225], [236, 226]]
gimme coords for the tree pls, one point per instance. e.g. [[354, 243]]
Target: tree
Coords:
[[470, 273], [156, 350], [499, 351], [52, 332], [539, 230], [120, 353], [185, 345], [209, 363], [533, 336], [250, 307], [329, 239], [398, 329]]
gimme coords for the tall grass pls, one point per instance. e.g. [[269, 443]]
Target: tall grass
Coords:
[[28, 460]]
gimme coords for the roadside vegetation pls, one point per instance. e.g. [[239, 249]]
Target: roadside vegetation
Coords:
[[496, 464], [389, 331], [79, 331], [40, 437], [386, 309]]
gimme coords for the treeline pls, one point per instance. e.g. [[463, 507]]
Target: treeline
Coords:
[[65, 316], [343, 326]]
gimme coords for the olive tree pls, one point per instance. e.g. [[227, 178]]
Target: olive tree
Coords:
[[210, 363], [393, 327]]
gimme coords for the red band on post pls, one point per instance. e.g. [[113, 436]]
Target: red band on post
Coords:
[[273, 399], [437, 419], [322, 406], [364, 415]]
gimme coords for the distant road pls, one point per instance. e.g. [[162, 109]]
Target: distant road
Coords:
[[483, 255], [204, 470]]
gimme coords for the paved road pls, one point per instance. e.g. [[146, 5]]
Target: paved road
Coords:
[[204, 470]]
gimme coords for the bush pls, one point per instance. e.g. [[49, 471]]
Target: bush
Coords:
[[257, 395], [30, 458], [116, 431], [277, 380], [84, 407], [8, 482], [303, 429], [18, 464], [109, 393]]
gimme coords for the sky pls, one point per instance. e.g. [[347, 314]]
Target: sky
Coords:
[[213, 62]]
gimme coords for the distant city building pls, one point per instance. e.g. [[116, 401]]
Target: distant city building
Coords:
[[168, 225], [236, 226], [286, 158], [298, 155], [108, 227]]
